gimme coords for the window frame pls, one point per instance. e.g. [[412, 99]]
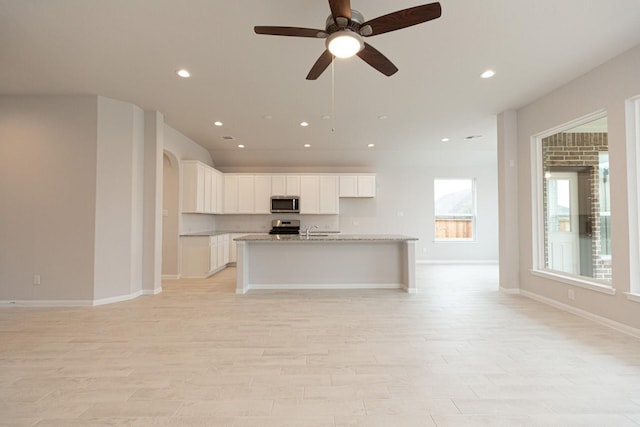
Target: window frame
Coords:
[[537, 213], [632, 116], [474, 214]]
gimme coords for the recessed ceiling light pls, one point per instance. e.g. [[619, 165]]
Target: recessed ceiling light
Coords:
[[217, 123], [183, 73], [371, 145], [383, 117], [445, 140], [240, 145], [307, 145], [304, 124], [488, 74]]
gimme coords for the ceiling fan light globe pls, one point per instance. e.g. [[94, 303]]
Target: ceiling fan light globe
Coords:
[[344, 44]]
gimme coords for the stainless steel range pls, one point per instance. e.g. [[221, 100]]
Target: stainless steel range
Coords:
[[285, 226]]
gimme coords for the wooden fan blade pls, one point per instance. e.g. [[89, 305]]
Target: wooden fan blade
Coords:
[[290, 31], [340, 8], [377, 60], [404, 18], [321, 64]]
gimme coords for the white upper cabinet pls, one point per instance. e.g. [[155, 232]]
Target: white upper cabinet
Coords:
[[309, 194], [328, 194], [202, 188], [245, 194], [285, 185], [357, 186], [219, 205], [209, 188], [193, 187], [206, 190], [230, 194], [319, 194], [262, 194]]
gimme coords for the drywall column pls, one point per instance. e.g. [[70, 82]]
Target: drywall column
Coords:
[[508, 243], [118, 220], [152, 237]]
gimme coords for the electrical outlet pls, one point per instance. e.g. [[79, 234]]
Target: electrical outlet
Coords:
[[36, 279], [571, 294]]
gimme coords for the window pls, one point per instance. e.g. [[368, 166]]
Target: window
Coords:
[[573, 193], [455, 209]]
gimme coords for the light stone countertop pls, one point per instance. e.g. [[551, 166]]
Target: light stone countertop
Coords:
[[217, 233], [315, 237]]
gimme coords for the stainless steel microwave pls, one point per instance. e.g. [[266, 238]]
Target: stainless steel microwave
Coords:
[[284, 204]]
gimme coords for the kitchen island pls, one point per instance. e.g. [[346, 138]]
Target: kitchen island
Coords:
[[327, 261]]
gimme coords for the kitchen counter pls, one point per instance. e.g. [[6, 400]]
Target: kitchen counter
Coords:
[[324, 237], [325, 261], [218, 233]]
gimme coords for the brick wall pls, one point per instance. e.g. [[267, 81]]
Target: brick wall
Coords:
[[580, 150]]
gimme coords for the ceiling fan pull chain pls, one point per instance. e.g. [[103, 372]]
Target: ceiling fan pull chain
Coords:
[[333, 96]]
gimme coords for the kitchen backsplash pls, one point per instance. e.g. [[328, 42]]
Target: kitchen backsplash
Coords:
[[262, 223]]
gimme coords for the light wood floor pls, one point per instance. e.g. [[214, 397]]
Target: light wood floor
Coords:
[[459, 353]]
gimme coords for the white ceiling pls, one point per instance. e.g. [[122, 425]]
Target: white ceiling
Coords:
[[130, 50]]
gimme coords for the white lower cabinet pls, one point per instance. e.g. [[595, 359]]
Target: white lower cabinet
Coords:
[[226, 250], [233, 252], [214, 260], [203, 256]]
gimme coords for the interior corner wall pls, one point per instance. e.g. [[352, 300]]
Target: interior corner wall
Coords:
[[47, 197], [118, 220], [604, 88], [152, 199], [508, 247]]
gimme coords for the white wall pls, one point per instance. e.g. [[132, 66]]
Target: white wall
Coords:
[[118, 223], [47, 197], [606, 87], [72, 199]]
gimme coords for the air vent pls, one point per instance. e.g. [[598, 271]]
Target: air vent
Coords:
[[470, 137], [227, 137]]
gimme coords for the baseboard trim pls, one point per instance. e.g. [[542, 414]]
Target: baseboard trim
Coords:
[[620, 327], [47, 303], [322, 286], [119, 298], [457, 262], [510, 291], [77, 303]]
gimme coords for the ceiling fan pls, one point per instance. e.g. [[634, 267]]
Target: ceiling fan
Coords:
[[345, 28]]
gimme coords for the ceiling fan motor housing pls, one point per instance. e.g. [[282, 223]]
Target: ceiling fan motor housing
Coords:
[[340, 23]]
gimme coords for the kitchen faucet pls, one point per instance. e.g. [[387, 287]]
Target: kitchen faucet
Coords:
[[309, 228]]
